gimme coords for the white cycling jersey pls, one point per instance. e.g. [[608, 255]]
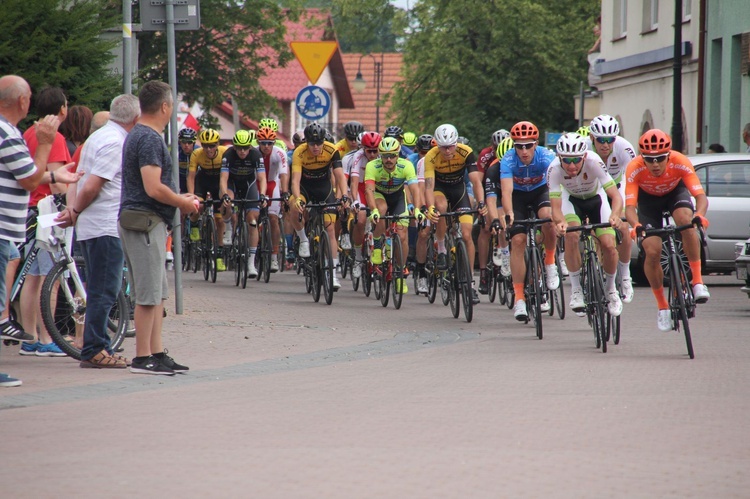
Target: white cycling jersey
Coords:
[[420, 170], [275, 164], [354, 163], [592, 178], [622, 153]]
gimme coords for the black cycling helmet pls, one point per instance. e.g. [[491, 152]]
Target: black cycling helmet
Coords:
[[315, 133], [329, 137], [394, 131], [187, 135], [352, 129], [424, 142]]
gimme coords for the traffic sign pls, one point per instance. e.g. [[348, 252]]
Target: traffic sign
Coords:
[[314, 57], [313, 102]]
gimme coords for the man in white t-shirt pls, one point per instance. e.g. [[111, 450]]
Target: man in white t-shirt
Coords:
[[94, 209]]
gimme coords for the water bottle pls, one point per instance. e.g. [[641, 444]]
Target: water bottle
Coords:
[[387, 249]]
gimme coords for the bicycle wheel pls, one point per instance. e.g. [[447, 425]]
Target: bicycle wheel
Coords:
[[598, 313], [397, 273], [237, 253], [614, 332], [534, 286], [491, 282], [64, 309], [430, 271], [187, 248], [679, 291], [463, 273], [209, 250], [345, 263], [265, 249], [243, 252], [557, 296], [282, 246], [326, 266]]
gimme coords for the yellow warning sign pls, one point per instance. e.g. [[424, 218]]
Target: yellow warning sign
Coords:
[[314, 57]]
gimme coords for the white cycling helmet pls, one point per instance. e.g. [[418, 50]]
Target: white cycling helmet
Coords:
[[446, 135], [499, 136], [604, 125], [571, 144]]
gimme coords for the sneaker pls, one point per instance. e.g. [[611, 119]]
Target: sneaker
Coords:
[[553, 279], [505, 264], [401, 286], [615, 304], [700, 293], [13, 331], [544, 307], [220, 267], [170, 257], [377, 256], [627, 290], [6, 380], [519, 311], [345, 241], [195, 234], [169, 362], [251, 270], [304, 249], [664, 320], [336, 283], [274, 263], [564, 268], [576, 301], [49, 350], [483, 278], [474, 297], [29, 348], [357, 270], [442, 261], [150, 365], [422, 285]]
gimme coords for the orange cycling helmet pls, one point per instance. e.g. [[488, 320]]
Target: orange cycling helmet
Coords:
[[655, 142], [266, 133], [524, 131]]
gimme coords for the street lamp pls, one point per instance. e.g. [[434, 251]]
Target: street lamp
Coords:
[[359, 84]]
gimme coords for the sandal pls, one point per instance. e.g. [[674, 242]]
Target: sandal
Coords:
[[104, 360]]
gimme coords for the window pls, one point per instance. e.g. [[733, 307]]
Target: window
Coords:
[[650, 16], [620, 27], [727, 180], [687, 10]]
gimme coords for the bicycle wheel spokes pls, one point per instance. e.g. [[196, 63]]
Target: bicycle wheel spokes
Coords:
[[536, 276], [397, 273], [325, 264], [681, 300], [464, 280]]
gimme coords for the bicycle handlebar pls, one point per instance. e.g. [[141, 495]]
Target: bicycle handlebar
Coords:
[[582, 227]]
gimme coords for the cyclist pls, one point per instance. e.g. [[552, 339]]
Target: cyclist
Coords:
[[386, 179], [523, 181], [243, 177], [425, 142], [273, 125], [616, 152], [583, 131], [357, 164], [313, 165], [410, 141], [493, 194], [397, 133], [579, 185], [444, 169], [186, 138], [349, 143], [277, 185], [663, 180], [203, 178]]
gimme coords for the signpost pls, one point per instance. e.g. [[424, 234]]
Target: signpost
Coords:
[[314, 57]]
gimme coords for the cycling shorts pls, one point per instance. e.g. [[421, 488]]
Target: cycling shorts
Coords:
[[457, 197], [205, 184], [650, 207], [273, 191], [537, 199], [319, 192], [396, 203], [596, 209], [242, 190]]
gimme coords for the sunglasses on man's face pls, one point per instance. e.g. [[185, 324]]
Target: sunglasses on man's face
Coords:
[[605, 140], [315, 143], [187, 142], [530, 145], [242, 148], [388, 156], [371, 151], [572, 161], [266, 142], [655, 159], [211, 146]]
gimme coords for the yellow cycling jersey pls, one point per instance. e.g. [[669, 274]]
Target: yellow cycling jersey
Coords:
[[450, 171], [343, 147], [316, 167], [207, 165]]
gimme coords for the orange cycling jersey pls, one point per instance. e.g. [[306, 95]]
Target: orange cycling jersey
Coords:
[[678, 169]]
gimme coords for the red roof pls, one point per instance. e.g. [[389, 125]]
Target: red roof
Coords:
[[364, 102]]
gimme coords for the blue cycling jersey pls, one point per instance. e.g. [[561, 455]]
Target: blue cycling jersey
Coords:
[[413, 158], [527, 177]]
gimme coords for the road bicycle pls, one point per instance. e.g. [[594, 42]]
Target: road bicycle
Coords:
[[390, 274], [209, 238], [557, 296], [264, 252], [319, 268]]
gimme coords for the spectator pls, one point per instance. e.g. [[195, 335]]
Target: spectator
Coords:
[[593, 54], [716, 148], [50, 101], [77, 127], [746, 136], [93, 208], [10, 329], [20, 172], [98, 121], [148, 200]]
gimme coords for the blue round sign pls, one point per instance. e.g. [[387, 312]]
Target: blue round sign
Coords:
[[313, 102]]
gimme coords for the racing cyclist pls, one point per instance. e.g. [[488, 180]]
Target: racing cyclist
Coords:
[[356, 163], [277, 185], [349, 143], [186, 137], [493, 194]]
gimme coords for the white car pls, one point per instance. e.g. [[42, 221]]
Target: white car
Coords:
[[742, 265]]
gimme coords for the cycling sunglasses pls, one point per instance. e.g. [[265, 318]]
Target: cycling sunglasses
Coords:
[[528, 145], [315, 142], [388, 156], [266, 142], [571, 161], [371, 151], [605, 140], [655, 159]]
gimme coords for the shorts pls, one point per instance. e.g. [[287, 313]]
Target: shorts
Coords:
[[457, 197], [244, 190], [146, 256], [595, 208], [523, 200], [42, 264], [651, 208], [319, 192], [205, 184], [396, 203], [273, 191], [14, 254]]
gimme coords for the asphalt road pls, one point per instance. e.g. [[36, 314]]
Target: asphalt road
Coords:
[[290, 398]]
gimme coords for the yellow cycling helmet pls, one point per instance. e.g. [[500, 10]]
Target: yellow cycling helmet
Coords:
[[583, 131], [504, 146], [410, 139], [269, 123], [389, 145], [242, 138], [209, 136]]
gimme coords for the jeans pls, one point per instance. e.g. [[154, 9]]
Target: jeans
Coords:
[[104, 262]]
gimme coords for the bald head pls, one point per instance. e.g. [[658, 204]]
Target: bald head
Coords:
[[11, 88], [99, 120]]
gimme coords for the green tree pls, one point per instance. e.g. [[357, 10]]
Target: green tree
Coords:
[[238, 41], [486, 65], [58, 43]]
